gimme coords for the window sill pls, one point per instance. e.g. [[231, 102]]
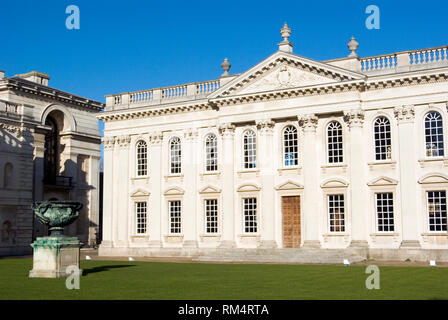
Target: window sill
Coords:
[[248, 171], [140, 238], [337, 165], [435, 234], [174, 176], [174, 238], [140, 178], [211, 173], [384, 234], [382, 163], [436, 160], [249, 235], [336, 234], [210, 237], [292, 169]]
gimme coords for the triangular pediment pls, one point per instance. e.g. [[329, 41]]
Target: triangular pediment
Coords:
[[282, 71], [289, 185], [210, 189], [140, 193], [433, 178], [382, 181]]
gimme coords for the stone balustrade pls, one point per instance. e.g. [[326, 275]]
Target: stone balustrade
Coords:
[[10, 109], [181, 92], [405, 60]]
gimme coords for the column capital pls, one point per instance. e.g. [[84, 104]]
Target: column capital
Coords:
[[265, 125], [354, 118], [123, 141], [190, 135], [156, 138], [227, 129], [308, 122], [108, 142], [404, 113]]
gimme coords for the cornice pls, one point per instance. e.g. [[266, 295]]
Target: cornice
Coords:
[[361, 85], [50, 93]]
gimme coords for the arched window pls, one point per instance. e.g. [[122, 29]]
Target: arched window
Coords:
[[175, 156], [383, 142], [335, 143], [290, 149], [7, 175], [250, 149], [142, 158], [211, 153], [434, 134]]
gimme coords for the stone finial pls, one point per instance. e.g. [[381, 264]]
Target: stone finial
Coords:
[[285, 32], [285, 45], [225, 66], [352, 46]]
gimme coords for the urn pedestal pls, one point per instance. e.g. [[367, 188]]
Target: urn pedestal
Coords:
[[52, 256]]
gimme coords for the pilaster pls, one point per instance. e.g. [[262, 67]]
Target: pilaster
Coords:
[[108, 191], [408, 188], [122, 194], [266, 150], [189, 167], [311, 189], [227, 132], [155, 199], [358, 192]]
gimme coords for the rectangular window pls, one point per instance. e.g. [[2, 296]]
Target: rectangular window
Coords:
[[141, 217], [436, 210], [211, 216], [175, 216], [336, 212], [385, 211], [250, 215]]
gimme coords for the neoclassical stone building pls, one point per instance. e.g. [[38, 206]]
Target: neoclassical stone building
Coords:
[[49, 149], [346, 154]]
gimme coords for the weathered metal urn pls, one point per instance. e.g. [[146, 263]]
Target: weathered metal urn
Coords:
[[57, 214], [54, 253]]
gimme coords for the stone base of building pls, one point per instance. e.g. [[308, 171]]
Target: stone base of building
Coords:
[[282, 255], [52, 256]]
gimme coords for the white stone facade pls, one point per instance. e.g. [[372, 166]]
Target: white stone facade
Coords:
[[392, 197], [27, 104]]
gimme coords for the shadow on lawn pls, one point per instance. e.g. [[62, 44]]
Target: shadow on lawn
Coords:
[[85, 272]]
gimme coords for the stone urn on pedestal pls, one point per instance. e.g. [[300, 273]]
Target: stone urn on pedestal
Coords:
[[53, 254]]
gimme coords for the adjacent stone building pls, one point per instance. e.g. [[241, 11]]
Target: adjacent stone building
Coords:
[[286, 159], [49, 149]]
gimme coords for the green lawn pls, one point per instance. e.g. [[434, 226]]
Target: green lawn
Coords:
[[156, 280]]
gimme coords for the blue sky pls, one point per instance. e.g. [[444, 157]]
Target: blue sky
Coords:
[[132, 45]]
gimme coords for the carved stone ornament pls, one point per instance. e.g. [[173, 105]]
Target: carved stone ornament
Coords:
[[308, 122], [404, 113], [354, 118]]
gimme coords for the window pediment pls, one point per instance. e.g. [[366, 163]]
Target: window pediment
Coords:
[[289, 185], [334, 183], [140, 193], [382, 181], [209, 189], [433, 178], [174, 191], [248, 187]]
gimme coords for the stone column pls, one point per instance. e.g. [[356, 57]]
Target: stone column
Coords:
[[189, 169], [266, 151], [227, 131], [408, 180], [155, 200], [122, 194], [108, 191], [358, 192], [311, 180]]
